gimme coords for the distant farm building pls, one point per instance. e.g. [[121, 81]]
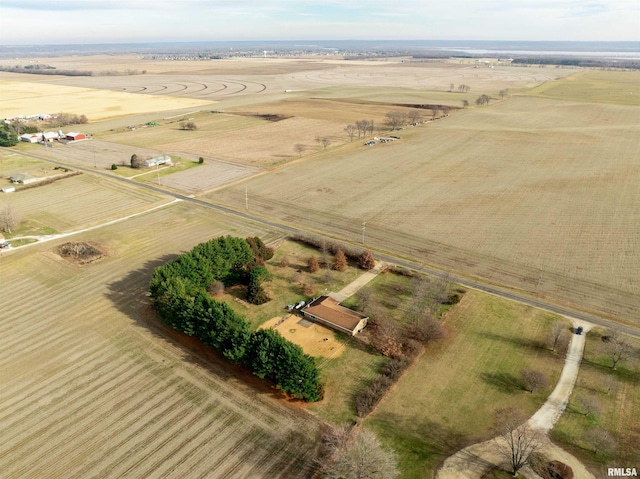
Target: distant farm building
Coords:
[[48, 136], [326, 310], [31, 137], [75, 136], [22, 178], [161, 160]]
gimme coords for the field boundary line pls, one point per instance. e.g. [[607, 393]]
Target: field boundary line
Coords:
[[45, 238]]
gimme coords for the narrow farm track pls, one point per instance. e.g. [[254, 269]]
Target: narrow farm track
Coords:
[[90, 390]]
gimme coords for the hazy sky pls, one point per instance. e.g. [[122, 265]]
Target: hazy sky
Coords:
[[116, 21]]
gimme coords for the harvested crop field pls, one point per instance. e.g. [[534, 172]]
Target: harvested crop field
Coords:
[[532, 193], [92, 389], [264, 145], [207, 176], [79, 202], [24, 98]]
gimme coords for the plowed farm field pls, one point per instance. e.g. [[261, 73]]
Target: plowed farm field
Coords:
[[536, 194], [91, 388], [77, 202]]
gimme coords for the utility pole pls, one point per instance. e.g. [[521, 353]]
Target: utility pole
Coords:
[[364, 225]]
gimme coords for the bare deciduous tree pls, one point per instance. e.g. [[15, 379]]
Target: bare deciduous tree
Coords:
[[395, 119], [188, 125], [600, 440], [426, 329], [434, 111], [9, 218], [351, 131], [517, 441], [590, 405], [324, 141], [299, 148], [415, 117], [370, 126], [533, 380], [555, 334], [465, 103], [504, 93], [358, 455], [284, 261], [618, 348]]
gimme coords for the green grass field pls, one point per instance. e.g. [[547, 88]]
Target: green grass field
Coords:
[[447, 400], [616, 393]]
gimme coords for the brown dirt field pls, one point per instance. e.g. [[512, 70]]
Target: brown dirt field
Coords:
[[316, 340], [89, 390], [530, 193], [263, 146]]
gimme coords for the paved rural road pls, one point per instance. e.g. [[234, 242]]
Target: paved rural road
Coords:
[[595, 320]]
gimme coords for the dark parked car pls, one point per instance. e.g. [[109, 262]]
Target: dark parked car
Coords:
[[579, 330]]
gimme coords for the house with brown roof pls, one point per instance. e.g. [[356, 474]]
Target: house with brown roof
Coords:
[[328, 311]]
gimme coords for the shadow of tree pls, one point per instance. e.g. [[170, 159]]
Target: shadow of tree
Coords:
[[505, 382], [130, 295], [517, 341]]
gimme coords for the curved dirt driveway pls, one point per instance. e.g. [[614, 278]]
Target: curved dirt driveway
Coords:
[[473, 461]]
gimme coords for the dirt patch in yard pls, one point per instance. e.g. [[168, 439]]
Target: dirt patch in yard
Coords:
[[315, 339], [80, 253]]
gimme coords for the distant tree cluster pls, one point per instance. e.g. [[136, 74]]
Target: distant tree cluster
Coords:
[[179, 290], [483, 100], [362, 127], [8, 136], [44, 70], [64, 119]]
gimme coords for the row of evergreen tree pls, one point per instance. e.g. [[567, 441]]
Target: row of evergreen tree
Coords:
[[179, 292]]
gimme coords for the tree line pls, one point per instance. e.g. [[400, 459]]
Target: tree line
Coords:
[[179, 290]]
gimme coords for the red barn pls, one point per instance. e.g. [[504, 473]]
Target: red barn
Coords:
[[74, 136]]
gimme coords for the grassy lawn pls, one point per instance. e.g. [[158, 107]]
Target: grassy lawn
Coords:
[[286, 285], [448, 398], [616, 394], [345, 376]]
